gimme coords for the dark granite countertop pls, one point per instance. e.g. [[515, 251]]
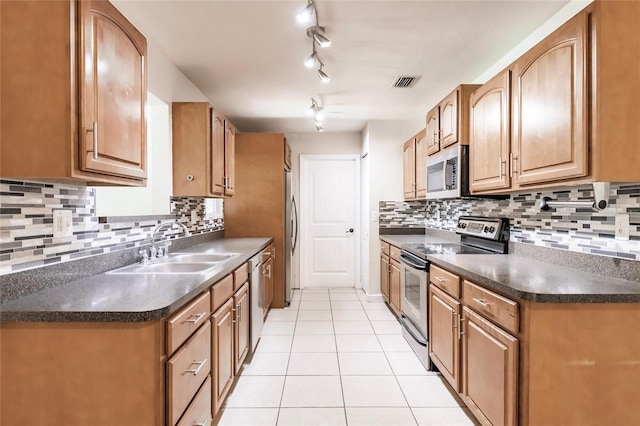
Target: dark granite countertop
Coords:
[[112, 297], [528, 279]]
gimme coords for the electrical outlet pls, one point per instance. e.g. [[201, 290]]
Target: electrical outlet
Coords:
[[375, 216], [62, 223], [194, 217], [622, 227]]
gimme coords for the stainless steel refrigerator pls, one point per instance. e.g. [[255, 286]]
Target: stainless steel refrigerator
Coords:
[[291, 235]]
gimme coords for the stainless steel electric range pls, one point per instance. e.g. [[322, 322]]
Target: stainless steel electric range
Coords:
[[478, 235]]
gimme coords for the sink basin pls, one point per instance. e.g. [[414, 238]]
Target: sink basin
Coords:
[[200, 258], [165, 268]]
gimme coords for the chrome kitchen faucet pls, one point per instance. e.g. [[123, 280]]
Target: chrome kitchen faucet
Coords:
[[160, 251]]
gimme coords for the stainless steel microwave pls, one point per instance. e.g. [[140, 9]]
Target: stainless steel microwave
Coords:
[[448, 173]]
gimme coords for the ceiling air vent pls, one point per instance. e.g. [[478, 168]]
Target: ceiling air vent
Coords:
[[405, 81]]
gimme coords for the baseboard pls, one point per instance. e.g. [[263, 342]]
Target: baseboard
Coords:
[[373, 297]]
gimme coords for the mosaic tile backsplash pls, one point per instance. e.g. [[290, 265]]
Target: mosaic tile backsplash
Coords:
[[26, 225], [569, 228]]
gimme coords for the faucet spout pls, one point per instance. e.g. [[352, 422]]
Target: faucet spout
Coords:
[[167, 225]]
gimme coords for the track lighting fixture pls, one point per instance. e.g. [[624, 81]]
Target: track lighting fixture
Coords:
[[318, 116], [312, 60], [323, 76], [317, 34], [304, 14]]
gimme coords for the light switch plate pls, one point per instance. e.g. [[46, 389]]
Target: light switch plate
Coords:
[[194, 217], [62, 223], [622, 227], [375, 216]]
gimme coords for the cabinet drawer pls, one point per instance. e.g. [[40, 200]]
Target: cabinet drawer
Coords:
[[222, 291], [186, 371], [199, 412], [495, 307], [445, 280], [183, 323], [240, 276], [384, 247], [394, 253]]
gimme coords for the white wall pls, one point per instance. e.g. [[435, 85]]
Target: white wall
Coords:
[[382, 142], [317, 143], [559, 18], [165, 84]]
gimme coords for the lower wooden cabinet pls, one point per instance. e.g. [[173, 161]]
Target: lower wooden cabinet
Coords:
[[199, 412], [222, 353], [444, 342], [241, 326], [394, 286], [267, 282], [489, 371], [385, 270]]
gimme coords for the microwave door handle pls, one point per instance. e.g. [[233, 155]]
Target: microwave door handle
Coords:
[[444, 175]]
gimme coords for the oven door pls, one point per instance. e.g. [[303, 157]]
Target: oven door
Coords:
[[413, 290]]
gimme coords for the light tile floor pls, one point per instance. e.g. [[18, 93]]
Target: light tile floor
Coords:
[[333, 358]]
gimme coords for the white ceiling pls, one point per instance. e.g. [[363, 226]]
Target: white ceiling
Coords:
[[246, 56]]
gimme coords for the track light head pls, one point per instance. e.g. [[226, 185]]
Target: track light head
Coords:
[[317, 33], [305, 14], [323, 76], [319, 127], [319, 116], [311, 60], [314, 108]]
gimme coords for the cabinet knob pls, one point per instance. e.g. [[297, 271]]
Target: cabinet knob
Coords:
[[189, 178]]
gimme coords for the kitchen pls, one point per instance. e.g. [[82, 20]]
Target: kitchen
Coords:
[[32, 251]]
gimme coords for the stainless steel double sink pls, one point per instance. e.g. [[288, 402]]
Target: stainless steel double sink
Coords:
[[178, 263]]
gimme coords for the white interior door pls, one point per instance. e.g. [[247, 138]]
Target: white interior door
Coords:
[[329, 201]]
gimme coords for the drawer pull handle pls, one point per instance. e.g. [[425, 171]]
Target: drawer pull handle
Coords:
[[194, 318], [234, 315], [481, 302], [239, 311], [200, 365], [439, 279], [202, 423]]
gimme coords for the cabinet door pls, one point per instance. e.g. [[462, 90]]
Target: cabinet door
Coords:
[[241, 326], [489, 138], [113, 92], [449, 120], [394, 287], [217, 154], [444, 343], [489, 371], [409, 169], [421, 165], [229, 158], [222, 353], [433, 131], [267, 280], [550, 107], [384, 277]]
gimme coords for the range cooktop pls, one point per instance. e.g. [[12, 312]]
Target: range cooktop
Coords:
[[478, 235]]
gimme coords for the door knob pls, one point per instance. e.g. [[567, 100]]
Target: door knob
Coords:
[[350, 231]]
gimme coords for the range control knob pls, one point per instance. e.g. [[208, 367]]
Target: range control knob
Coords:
[[486, 229], [492, 229], [464, 225]]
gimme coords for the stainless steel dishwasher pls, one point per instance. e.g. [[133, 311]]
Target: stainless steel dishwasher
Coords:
[[255, 299]]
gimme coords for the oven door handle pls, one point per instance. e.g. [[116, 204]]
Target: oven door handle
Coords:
[[408, 325], [408, 261]]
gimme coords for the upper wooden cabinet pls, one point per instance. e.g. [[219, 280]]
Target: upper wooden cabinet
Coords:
[[73, 93], [574, 103], [229, 158], [447, 123], [433, 130], [409, 169], [550, 107], [489, 135], [203, 151], [415, 167]]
